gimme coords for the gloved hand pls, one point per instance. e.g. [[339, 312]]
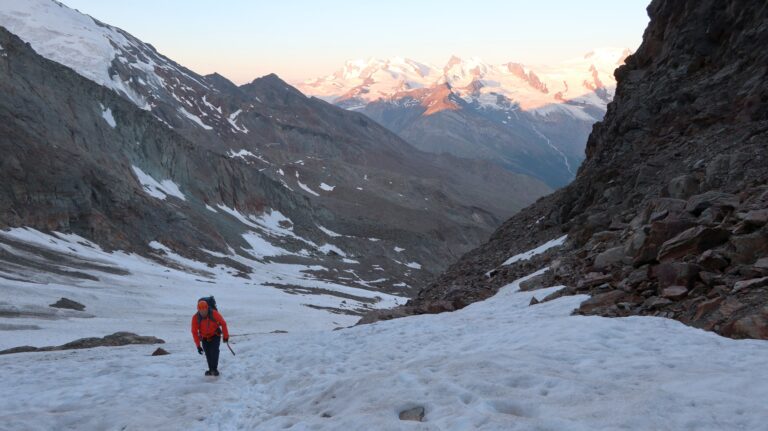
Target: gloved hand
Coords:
[[199, 350], [226, 340]]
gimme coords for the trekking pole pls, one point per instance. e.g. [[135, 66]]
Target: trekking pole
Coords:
[[230, 349]]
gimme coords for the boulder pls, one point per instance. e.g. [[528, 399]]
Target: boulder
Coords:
[[604, 236], [692, 241], [655, 302], [710, 278], [656, 207], [160, 352], [636, 277], [592, 279], [534, 301], [609, 258], [676, 274], [635, 243], [116, 339], [674, 293], [558, 294], [730, 307], [712, 216], [750, 284], [706, 307], [535, 282], [644, 248], [750, 326], [68, 304], [761, 263], [712, 260], [683, 187], [602, 300], [413, 414], [755, 218], [698, 203], [747, 248]]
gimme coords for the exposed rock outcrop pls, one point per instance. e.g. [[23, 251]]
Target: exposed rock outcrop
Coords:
[[114, 340]]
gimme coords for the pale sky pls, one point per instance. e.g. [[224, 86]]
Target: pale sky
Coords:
[[301, 39]]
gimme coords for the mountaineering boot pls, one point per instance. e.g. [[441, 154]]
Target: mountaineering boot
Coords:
[[215, 373], [208, 373]]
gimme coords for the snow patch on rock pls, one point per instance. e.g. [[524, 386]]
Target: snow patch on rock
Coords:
[[106, 114], [157, 189], [329, 232], [535, 251], [194, 119], [306, 188]]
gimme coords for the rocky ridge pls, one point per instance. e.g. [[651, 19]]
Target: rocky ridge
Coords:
[[668, 216]]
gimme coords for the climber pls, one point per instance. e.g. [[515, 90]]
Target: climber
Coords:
[[208, 327]]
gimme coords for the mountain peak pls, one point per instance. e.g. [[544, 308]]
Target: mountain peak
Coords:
[[271, 86], [454, 60], [572, 80]]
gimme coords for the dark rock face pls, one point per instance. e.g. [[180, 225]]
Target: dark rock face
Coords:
[[160, 352], [114, 340], [676, 174]]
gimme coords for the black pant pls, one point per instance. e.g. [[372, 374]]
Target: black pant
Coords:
[[211, 349]]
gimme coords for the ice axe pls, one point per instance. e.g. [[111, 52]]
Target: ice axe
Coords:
[[230, 349]]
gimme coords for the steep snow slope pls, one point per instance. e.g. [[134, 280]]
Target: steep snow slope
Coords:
[[498, 364], [89, 50], [107, 56]]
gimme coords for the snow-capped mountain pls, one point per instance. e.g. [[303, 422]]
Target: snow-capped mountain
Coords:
[[117, 60], [363, 81], [193, 163], [531, 119], [577, 83]]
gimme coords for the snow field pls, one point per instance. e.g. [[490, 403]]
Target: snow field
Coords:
[[495, 365], [502, 365], [157, 300]]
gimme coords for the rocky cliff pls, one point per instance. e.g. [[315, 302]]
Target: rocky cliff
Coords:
[[667, 216]]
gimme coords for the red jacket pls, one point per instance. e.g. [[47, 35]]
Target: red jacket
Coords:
[[207, 327]]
